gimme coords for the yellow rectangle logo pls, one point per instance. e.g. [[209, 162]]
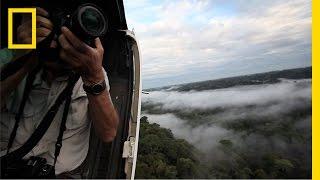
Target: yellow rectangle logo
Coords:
[[33, 12]]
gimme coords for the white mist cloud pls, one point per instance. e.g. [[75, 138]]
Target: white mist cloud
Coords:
[[203, 137], [287, 92], [272, 102]]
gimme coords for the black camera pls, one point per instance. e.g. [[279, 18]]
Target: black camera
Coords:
[[86, 21], [84, 18], [35, 167]]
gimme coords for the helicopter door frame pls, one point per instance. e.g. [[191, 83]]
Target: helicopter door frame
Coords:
[[130, 147]]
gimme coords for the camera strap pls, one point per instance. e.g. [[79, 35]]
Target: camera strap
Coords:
[[27, 89], [45, 124], [62, 128]]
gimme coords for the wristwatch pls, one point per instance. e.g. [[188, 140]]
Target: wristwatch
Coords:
[[95, 89]]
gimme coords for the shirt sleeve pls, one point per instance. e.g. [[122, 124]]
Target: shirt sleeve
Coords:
[[106, 79], [14, 99], [6, 56]]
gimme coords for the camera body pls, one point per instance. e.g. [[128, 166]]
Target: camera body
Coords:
[[35, 168]]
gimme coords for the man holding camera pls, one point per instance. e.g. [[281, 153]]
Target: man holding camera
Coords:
[[90, 101]]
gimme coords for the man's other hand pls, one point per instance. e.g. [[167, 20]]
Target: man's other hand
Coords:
[[85, 60], [44, 27]]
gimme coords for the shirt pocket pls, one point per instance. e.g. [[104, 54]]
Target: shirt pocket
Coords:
[[78, 113]]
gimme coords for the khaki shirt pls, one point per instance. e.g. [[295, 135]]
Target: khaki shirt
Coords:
[[76, 137]]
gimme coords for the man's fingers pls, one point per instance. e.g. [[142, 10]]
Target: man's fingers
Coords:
[[44, 22], [24, 30], [24, 34], [43, 32], [42, 12], [98, 45], [39, 39], [27, 41], [66, 45], [25, 26], [77, 43]]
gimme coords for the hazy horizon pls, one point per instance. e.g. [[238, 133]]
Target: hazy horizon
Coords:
[[237, 75]]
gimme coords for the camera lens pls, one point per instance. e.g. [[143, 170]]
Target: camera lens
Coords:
[[91, 20]]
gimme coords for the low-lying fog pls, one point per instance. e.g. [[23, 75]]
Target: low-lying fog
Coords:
[[258, 118], [285, 91]]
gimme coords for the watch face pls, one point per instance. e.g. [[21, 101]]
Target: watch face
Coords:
[[97, 88]]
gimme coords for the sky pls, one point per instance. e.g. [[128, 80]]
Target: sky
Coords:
[[185, 41]]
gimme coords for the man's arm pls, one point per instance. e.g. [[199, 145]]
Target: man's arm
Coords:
[[101, 110], [87, 61], [103, 115]]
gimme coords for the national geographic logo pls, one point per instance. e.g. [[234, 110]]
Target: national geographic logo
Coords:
[[12, 45]]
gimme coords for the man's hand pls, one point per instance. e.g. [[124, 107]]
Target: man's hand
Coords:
[[44, 27], [24, 33], [85, 60]]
